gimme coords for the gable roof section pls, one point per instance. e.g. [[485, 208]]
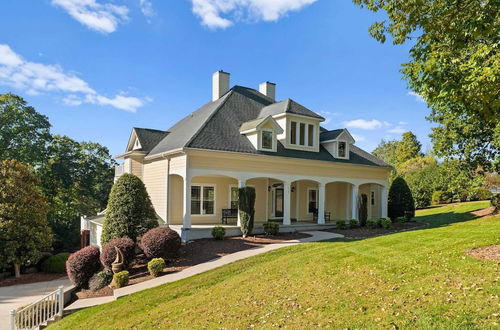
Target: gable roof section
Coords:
[[216, 126], [288, 106], [256, 124], [149, 138], [330, 135]]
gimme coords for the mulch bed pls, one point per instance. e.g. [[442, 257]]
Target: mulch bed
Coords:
[[194, 253], [364, 232], [491, 252], [30, 278]]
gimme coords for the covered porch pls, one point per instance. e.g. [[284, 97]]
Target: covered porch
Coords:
[[200, 200]]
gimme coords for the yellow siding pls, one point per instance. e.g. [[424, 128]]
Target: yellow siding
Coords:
[[176, 200], [136, 167], [155, 179]]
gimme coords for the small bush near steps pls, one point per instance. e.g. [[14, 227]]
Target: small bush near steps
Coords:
[[353, 223], [55, 263], [82, 265], [386, 223], [100, 280], [120, 279], [271, 228], [340, 224], [218, 233], [156, 266], [161, 242]]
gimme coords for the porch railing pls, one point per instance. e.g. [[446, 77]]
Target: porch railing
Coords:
[[39, 312]]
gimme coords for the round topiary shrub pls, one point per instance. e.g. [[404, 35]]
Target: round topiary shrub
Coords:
[[100, 280], [156, 266], [108, 254], [340, 224], [55, 263], [129, 211], [120, 279], [353, 223], [386, 223], [271, 228], [82, 265], [218, 233], [400, 199], [161, 242], [372, 223]]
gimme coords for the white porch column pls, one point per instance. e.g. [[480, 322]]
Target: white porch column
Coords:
[[383, 202], [241, 184], [186, 209], [286, 203], [354, 201], [321, 203]]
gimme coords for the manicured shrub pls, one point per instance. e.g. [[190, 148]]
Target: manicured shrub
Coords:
[[129, 211], [100, 280], [480, 194], [82, 265], [386, 223], [353, 223], [341, 224], [372, 223], [271, 228], [363, 209], [161, 242], [126, 246], [120, 279], [400, 199], [218, 233], [55, 263], [495, 201], [246, 209], [441, 197], [156, 266]]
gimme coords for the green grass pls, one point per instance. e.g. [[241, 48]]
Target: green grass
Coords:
[[420, 278]]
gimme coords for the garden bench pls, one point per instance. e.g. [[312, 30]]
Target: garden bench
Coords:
[[229, 214], [327, 215]]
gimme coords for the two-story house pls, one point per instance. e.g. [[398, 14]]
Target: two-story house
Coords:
[[302, 172]]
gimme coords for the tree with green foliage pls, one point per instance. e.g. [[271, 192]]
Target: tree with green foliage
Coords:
[[408, 148], [422, 176], [25, 133], [246, 209], [129, 212], [24, 231], [76, 178], [454, 66], [400, 199], [386, 150]]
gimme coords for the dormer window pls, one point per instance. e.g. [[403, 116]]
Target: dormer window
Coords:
[[302, 134], [341, 153], [267, 138]]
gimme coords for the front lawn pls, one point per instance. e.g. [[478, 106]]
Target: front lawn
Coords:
[[420, 278]]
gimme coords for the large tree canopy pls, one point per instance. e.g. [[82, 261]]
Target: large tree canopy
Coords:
[[455, 65], [24, 132]]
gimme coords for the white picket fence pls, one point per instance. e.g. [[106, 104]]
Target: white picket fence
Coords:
[[39, 312]]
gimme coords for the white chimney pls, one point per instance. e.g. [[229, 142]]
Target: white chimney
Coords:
[[220, 84], [269, 89]]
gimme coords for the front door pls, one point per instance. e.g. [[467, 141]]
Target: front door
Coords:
[[278, 202]]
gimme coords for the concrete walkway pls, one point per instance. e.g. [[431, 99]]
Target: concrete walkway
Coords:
[[197, 269], [14, 296]]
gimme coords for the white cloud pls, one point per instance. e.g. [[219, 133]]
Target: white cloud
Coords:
[[364, 124], [35, 78], [418, 97], [147, 8], [358, 138], [103, 18], [397, 130], [211, 12]]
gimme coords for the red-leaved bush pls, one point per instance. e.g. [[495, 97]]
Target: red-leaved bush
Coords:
[[82, 264], [160, 242], [108, 254]]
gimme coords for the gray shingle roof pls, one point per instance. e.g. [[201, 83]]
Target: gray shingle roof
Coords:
[[287, 106], [148, 138], [330, 135], [216, 126]]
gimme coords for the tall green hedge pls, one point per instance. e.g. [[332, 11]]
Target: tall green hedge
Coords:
[[246, 208], [129, 212], [400, 199]]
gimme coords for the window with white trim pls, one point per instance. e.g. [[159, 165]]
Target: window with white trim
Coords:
[[302, 134], [267, 138], [342, 149], [312, 200], [202, 200]]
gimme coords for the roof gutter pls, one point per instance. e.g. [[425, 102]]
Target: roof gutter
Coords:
[[165, 154]]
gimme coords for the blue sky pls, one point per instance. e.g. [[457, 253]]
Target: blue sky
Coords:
[[97, 68]]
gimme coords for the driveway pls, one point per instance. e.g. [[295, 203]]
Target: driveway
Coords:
[[14, 296]]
